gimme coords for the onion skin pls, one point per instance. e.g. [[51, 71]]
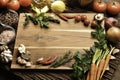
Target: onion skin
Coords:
[[113, 34], [109, 22]]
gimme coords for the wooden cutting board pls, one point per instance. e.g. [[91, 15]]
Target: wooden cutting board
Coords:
[[57, 40]]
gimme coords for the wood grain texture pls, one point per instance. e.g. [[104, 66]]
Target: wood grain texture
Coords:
[[56, 40]]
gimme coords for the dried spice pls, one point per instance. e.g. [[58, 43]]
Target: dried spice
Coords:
[[6, 36], [9, 17]]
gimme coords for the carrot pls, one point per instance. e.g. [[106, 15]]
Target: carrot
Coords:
[[92, 70], [96, 69], [106, 64], [88, 76], [100, 68]]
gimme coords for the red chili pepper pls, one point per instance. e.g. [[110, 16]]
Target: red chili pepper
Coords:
[[69, 16], [48, 60], [44, 60], [52, 60], [62, 17]]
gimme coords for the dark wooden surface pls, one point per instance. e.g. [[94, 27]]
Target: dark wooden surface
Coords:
[[7, 74]]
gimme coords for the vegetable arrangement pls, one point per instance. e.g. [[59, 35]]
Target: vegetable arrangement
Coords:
[[82, 64], [96, 59]]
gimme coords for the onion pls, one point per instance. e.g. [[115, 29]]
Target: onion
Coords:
[[109, 22], [113, 34]]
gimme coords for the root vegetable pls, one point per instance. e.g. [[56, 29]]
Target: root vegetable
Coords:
[[109, 22], [105, 64], [92, 71], [88, 76], [113, 34], [100, 68], [95, 72]]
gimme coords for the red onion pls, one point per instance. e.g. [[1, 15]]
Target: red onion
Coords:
[[109, 22]]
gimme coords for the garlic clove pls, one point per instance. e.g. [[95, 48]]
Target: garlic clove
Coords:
[[28, 64], [115, 51]]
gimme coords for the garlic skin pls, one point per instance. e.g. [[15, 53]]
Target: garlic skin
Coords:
[[6, 56], [23, 56], [21, 48]]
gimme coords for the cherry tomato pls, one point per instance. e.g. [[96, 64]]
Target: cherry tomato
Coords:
[[25, 3], [93, 24], [113, 8], [13, 4], [77, 18], [86, 22], [83, 17], [99, 6], [3, 3]]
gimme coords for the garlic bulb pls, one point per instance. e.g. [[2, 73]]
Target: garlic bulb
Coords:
[[6, 56]]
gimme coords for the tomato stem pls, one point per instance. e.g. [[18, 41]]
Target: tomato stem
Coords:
[[99, 1], [114, 2]]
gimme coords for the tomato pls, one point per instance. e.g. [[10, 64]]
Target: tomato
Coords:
[[99, 6], [3, 3], [25, 3], [113, 8], [83, 17], [13, 4]]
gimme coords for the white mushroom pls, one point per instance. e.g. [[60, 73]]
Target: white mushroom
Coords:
[[99, 17]]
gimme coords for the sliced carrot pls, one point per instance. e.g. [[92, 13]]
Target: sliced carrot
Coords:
[[100, 69]]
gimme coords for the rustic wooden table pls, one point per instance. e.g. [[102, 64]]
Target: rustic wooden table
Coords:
[[7, 74]]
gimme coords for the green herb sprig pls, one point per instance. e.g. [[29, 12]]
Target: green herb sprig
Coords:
[[62, 60], [82, 64], [41, 19]]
